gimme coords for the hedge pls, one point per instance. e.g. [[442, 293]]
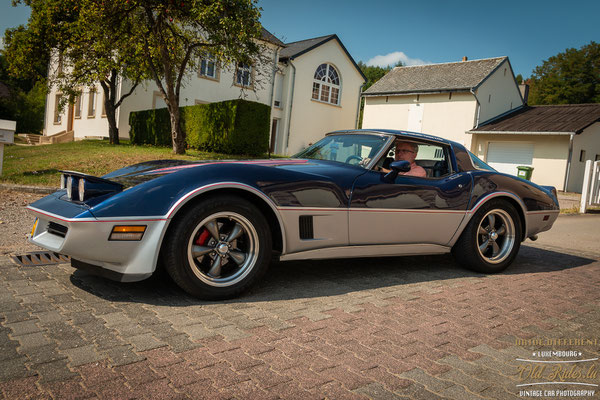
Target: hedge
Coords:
[[230, 127]]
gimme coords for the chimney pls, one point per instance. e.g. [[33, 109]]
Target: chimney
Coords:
[[524, 89], [465, 58]]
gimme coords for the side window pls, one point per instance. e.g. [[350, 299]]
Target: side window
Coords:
[[432, 158]]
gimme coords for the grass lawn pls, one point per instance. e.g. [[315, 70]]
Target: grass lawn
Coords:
[[39, 165]]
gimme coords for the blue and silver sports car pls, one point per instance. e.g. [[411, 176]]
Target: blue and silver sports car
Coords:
[[216, 225]]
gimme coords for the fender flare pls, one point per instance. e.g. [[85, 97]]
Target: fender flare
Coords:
[[469, 214], [224, 185]]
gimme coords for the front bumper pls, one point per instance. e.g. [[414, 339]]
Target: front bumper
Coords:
[[87, 240]]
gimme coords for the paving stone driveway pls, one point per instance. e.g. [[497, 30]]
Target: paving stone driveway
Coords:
[[413, 327]]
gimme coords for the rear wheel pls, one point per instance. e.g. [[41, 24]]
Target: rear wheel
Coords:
[[491, 240], [218, 247]]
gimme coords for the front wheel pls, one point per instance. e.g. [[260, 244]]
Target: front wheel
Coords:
[[491, 240], [218, 247]]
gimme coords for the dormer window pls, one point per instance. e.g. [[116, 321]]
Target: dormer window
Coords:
[[326, 84]]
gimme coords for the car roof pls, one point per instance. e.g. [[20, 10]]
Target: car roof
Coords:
[[406, 134]]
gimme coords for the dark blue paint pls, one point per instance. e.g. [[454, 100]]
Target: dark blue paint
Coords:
[[57, 203], [372, 190], [314, 183]]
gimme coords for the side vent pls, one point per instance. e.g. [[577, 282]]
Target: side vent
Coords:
[[305, 223], [57, 229]]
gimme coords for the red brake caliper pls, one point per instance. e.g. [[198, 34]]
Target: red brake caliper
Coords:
[[203, 237]]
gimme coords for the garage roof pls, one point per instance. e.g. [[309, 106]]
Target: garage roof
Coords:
[[455, 76], [566, 118]]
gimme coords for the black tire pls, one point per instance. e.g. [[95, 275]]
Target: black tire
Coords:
[[491, 240], [190, 249]]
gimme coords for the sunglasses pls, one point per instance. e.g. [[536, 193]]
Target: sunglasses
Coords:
[[404, 151]]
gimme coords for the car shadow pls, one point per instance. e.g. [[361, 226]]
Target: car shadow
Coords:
[[317, 278]]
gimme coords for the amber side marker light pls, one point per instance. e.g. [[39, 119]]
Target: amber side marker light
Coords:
[[34, 226], [127, 232]]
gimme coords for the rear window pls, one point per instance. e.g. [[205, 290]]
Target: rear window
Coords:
[[478, 164]]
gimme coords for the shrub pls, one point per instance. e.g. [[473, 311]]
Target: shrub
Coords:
[[230, 127]]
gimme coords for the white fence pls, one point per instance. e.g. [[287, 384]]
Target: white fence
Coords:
[[590, 193]]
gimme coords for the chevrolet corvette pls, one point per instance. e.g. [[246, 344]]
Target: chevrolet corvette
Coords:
[[215, 226]]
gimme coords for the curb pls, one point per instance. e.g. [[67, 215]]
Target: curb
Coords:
[[27, 189]]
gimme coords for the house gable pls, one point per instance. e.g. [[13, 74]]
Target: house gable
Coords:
[[498, 93], [296, 49]]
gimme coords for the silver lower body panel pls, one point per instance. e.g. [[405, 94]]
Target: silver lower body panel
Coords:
[[367, 251]]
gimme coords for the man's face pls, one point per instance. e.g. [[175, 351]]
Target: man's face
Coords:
[[405, 152]]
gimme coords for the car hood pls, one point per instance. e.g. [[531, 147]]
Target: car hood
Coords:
[[146, 171]]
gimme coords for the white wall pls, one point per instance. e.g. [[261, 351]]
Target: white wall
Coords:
[[312, 119], [85, 125], [589, 141], [499, 93], [443, 115], [550, 154]]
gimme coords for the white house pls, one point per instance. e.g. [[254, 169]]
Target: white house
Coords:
[[443, 99], [313, 86]]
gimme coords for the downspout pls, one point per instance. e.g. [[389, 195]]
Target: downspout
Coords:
[[118, 110], [476, 122], [287, 138], [275, 61], [358, 106], [569, 158], [45, 129]]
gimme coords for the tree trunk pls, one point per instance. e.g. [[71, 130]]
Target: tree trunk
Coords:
[[110, 109], [177, 134], [113, 129]]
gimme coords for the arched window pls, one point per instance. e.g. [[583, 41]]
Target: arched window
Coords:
[[326, 85]]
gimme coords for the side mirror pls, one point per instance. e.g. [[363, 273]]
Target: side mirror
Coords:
[[397, 167]]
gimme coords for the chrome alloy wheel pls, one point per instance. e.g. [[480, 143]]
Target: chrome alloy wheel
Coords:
[[496, 236], [223, 249]]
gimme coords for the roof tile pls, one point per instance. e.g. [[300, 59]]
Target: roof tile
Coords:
[[565, 118], [454, 76]]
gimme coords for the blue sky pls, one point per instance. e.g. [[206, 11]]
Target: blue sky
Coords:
[[418, 31]]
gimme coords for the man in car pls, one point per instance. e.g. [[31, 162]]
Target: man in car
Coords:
[[407, 151]]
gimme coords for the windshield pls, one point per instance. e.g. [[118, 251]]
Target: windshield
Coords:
[[477, 163], [347, 148]]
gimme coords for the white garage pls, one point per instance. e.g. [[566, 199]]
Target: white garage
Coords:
[[507, 156], [555, 140]]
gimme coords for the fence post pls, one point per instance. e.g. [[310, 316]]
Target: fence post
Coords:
[[585, 190], [594, 191]]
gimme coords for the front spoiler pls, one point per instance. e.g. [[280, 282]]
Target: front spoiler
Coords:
[[86, 240], [107, 273]]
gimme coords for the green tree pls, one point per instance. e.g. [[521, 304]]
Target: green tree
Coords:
[[374, 72], [519, 79], [87, 41], [175, 34], [570, 77]]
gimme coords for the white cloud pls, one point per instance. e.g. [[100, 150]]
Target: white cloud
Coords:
[[393, 58]]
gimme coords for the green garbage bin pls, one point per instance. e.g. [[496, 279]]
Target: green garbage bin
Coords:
[[524, 172]]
